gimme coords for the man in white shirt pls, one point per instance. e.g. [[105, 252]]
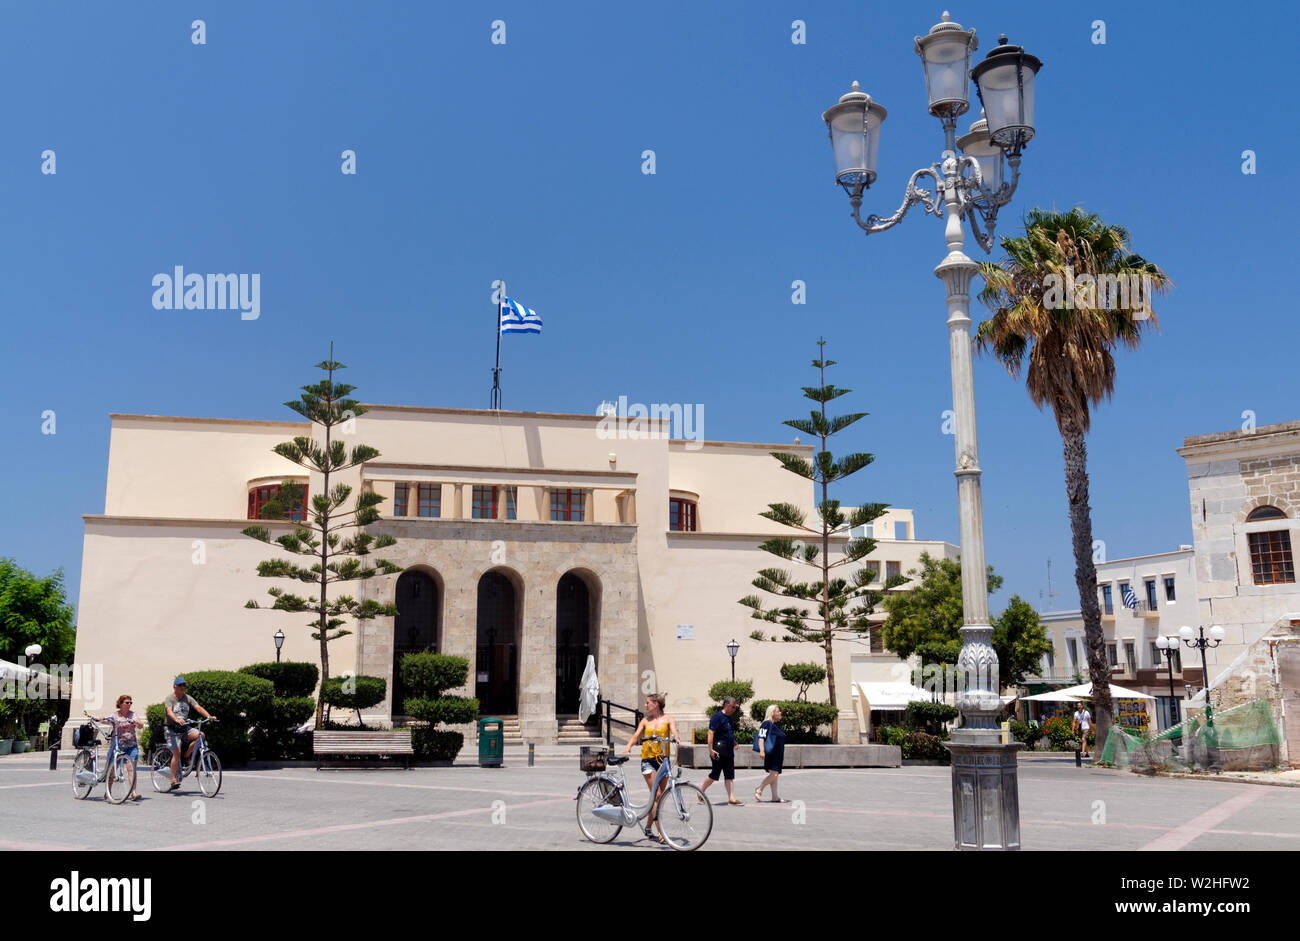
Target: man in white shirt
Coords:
[[1082, 723]]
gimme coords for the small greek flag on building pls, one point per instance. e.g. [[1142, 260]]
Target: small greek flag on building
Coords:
[[516, 318], [1130, 598]]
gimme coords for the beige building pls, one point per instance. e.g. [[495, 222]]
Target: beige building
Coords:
[[527, 541]]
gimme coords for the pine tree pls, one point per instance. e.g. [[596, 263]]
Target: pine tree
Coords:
[[833, 618], [334, 537]]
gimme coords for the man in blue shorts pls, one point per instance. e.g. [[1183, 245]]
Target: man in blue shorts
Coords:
[[722, 750]]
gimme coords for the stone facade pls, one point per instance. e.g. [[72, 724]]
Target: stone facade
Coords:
[[533, 556]]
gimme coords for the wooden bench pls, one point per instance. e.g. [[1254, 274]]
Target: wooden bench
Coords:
[[328, 744]]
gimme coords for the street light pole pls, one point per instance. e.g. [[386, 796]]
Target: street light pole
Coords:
[[733, 648], [1197, 641], [970, 184]]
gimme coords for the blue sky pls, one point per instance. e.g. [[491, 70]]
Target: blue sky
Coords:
[[478, 161]]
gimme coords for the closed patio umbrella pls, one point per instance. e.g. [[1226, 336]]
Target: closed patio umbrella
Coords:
[[590, 690]]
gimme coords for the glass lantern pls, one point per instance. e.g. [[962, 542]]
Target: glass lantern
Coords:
[[1005, 81], [977, 143], [854, 126], [946, 53]]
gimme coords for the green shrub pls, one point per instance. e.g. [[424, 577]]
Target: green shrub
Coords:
[[914, 743], [277, 735], [429, 675], [891, 734], [239, 701], [152, 735], [801, 721], [292, 679], [449, 710], [740, 690], [928, 716], [1024, 732], [803, 675], [354, 692], [435, 745]]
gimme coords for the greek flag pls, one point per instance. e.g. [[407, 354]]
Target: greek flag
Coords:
[[516, 318], [1130, 599]]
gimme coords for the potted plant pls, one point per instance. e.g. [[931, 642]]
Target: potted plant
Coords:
[[21, 742], [6, 727]]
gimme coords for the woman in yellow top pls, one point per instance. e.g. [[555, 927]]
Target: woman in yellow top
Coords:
[[655, 723]]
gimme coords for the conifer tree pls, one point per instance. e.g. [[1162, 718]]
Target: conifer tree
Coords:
[[333, 537], [842, 603]]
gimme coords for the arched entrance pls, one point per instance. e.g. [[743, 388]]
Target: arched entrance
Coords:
[[574, 639], [415, 628], [496, 682]]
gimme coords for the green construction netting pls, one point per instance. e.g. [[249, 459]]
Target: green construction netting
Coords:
[[1243, 738]]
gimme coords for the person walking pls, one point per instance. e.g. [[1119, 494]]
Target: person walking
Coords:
[[656, 723], [1082, 724], [722, 750], [772, 738]]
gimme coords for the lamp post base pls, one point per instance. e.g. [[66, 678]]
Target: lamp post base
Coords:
[[985, 791]]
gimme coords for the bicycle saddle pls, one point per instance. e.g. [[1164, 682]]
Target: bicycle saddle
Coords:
[[616, 759]]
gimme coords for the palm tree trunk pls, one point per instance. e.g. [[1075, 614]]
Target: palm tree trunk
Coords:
[[1085, 575]]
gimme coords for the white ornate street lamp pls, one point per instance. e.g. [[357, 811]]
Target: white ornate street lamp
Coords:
[[970, 184]]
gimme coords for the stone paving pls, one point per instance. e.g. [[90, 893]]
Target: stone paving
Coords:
[[518, 807]]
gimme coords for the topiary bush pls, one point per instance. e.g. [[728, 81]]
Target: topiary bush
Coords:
[[292, 679], [354, 692], [429, 676], [803, 675], [239, 701], [740, 690], [929, 717], [801, 721]]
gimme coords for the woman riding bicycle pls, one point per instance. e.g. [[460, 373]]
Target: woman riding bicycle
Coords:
[[126, 723], [655, 724]]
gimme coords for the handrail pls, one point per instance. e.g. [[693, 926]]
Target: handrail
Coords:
[[608, 720]]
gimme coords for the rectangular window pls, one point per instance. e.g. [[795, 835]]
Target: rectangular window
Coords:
[[1150, 585], [1270, 557], [1112, 656], [485, 503], [1169, 588], [1157, 658], [401, 499], [429, 500], [877, 639], [1130, 657], [567, 505], [893, 568], [871, 531], [1123, 588], [900, 529], [1049, 662], [1107, 602], [681, 516], [512, 497], [259, 497], [1072, 653]]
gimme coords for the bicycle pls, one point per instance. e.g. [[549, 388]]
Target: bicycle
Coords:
[[203, 764], [683, 815], [118, 770]]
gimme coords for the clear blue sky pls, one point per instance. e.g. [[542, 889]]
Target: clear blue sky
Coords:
[[479, 161]]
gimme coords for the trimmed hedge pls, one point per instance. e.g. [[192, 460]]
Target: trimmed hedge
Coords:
[[432, 674], [449, 710], [801, 721], [434, 744], [354, 692], [277, 735], [151, 736], [239, 701], [915, 744], [929, 716], [292, 679]]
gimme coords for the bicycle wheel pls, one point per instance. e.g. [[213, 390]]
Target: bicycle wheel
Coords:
[[209, 774], [598, 792], [82, 765], [160, 769], [121, 779], [684, 817]]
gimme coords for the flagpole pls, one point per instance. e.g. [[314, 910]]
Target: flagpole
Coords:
[[496, 371]]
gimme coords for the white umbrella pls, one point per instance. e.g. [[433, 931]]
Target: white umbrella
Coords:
[[590, 690], [1084, 691], [1054, 696]]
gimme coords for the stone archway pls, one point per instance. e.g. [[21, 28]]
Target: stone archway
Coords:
[[416, 626], [496, 682], [577, 626]]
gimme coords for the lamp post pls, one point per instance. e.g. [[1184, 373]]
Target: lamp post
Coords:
[[970, 184], [1169, 646], [1197, 641], [279, 642], [733, 648]]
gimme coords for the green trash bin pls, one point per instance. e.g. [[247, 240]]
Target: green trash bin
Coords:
[[491, 742]]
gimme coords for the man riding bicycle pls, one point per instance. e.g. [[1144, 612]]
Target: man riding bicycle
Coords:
[[178, 706]]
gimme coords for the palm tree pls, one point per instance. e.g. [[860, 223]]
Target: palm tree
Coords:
[[1057, 315]]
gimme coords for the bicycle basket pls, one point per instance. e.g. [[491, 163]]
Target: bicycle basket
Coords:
[[83, 736], [591, 758]]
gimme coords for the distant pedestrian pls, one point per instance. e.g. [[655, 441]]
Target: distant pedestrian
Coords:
[[1082, 724], [722, 750], [772, 738]]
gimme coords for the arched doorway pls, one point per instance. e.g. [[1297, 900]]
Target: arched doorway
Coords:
[[574, 640], [496, 682], [415, 628]]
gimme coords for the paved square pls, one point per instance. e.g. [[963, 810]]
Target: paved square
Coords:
[[518, 807]]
